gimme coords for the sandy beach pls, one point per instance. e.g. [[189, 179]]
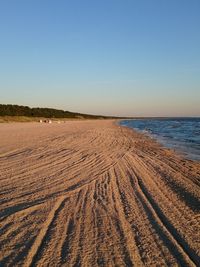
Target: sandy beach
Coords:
[[92, 193]]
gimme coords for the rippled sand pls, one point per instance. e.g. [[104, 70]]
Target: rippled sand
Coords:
[[91, 193]]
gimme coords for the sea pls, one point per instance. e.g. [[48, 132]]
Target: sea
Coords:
[[180, 134]]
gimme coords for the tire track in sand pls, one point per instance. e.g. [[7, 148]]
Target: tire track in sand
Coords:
[[127, 213], [34, 250], [185, 255]]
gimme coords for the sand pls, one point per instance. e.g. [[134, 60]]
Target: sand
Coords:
[[91, 193]]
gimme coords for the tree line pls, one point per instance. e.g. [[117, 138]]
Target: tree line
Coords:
[[16, 110]]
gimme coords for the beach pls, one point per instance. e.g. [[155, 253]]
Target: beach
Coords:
[[93, 193]]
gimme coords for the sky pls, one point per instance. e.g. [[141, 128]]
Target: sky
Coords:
[[110, 57]]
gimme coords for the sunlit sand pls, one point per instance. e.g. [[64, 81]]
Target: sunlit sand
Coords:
[[91, 193]]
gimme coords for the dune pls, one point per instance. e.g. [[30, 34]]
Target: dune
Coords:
[[92, 193]]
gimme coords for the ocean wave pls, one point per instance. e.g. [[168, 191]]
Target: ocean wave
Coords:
[[181, 134]]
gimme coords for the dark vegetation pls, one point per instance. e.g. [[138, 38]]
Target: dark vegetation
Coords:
[[16, 110]]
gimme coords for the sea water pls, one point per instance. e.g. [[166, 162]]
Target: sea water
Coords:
[[181, 134]]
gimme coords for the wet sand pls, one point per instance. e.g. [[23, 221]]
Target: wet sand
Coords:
[[91, 193]]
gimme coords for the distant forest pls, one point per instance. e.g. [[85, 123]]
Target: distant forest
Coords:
[[16, 110]]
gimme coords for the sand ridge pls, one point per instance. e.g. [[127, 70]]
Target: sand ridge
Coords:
[[92, 193]]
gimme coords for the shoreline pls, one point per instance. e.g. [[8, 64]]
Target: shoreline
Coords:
[[92, 192], [182, 149]]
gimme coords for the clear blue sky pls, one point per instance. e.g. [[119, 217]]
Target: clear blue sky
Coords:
[[119, 57]]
